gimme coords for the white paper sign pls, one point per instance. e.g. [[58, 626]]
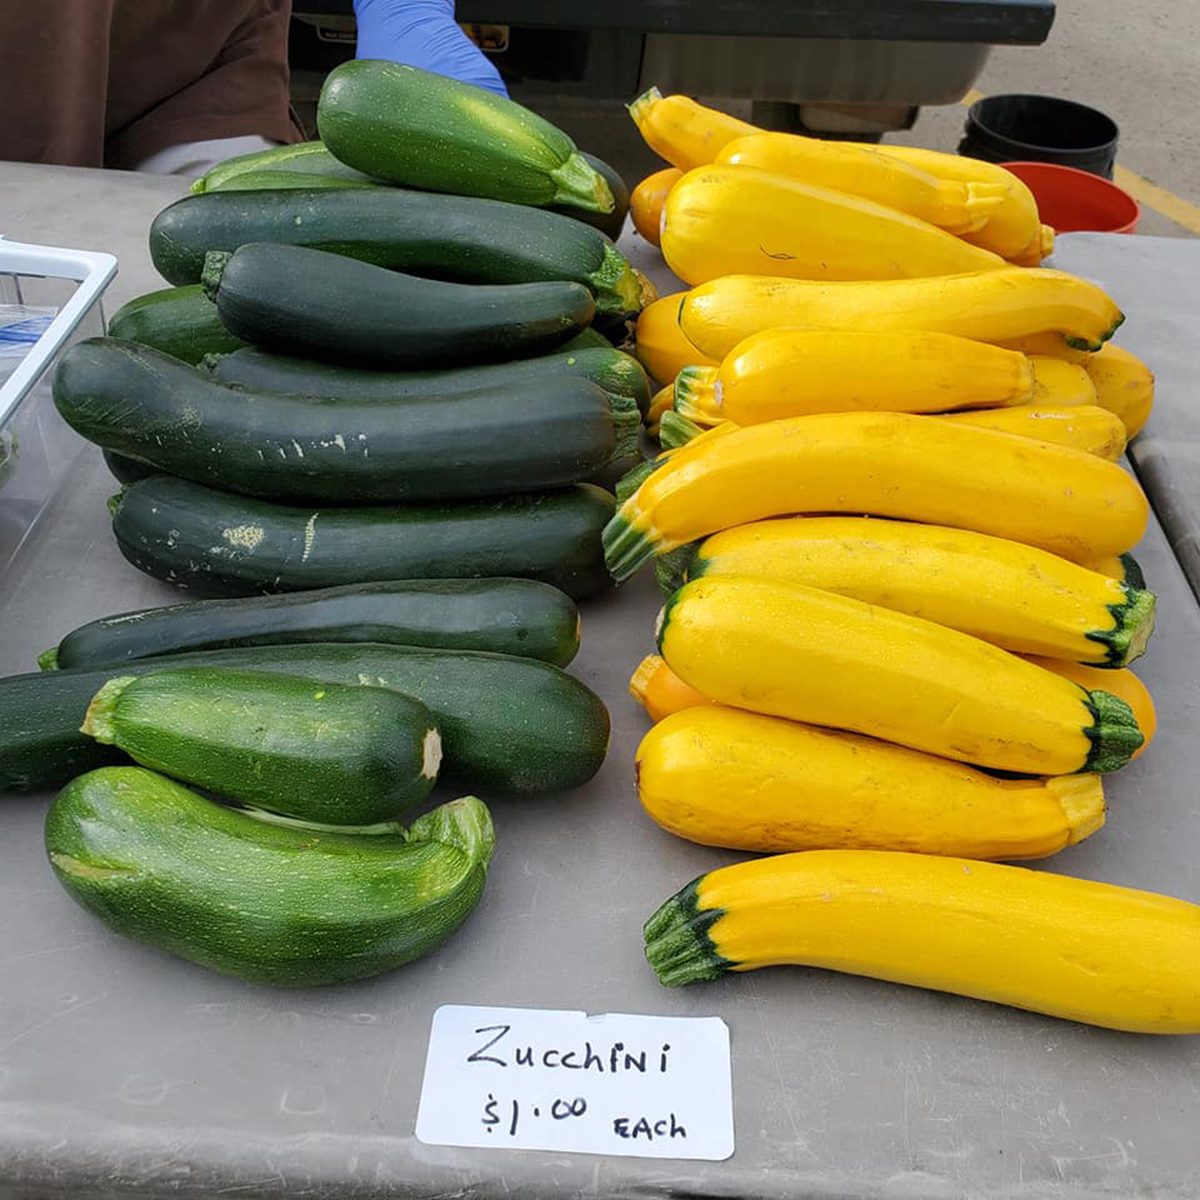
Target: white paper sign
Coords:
[[536, 1079]]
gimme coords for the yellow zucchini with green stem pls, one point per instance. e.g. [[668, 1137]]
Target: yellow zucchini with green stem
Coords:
[[862, 170], [740, 220], [1012, 595], [661, 692], [1071, 948], [987, 306], [888, 465], [787, 650], [792, 372], [723, 777]]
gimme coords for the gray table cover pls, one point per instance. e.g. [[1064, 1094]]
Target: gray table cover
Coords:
[[127, 1073], [1156, 281]]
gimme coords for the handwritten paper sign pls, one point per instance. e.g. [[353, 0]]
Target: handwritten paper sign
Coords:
[[535, 1079]]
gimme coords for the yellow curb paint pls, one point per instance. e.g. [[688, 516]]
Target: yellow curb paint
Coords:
[[1148, 195]]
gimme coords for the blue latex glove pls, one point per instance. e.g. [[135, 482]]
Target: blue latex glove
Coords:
[[422, 33]]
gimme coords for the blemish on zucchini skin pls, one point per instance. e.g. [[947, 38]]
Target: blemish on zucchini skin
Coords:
[[244, 537], [78, 869], [431, 754]]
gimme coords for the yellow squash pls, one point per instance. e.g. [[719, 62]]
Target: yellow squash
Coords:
[[1072, 948], [722, 777], [1049, 345], [1012, 595], [660, 691], [1058, 383], [888, 465], [683, 132], [1124, 385], [660, 402], [863, 170], [988, 306], [740, 220], [1084, 427], [647, 200], [1121, 682], [794, 372], [787, 650], [661, 345], [1014, 230]]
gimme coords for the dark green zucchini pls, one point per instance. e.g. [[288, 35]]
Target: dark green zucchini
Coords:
[[304, 301], [460, 238], [303, 164], [310, 449], [587, 339], [507, 616], [412, 127], [126, 470], [610, 223], [258, 370], [179, 321], [326, 752], [266, 902], [513, 725], [216, 544]]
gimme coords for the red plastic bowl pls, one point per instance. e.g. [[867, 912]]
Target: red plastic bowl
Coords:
[[1072, 201]]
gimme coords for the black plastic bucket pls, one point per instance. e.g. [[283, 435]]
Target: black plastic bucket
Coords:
[[1040, 129]]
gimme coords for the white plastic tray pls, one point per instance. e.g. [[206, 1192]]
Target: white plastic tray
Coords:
[[37, 449]]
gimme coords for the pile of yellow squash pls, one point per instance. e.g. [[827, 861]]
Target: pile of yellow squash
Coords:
[[894, 539]]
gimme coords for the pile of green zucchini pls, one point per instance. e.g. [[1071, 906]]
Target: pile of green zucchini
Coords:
[[378, 359], [365, 418]]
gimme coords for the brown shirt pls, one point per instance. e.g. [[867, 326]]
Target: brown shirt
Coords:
[[110, 82]]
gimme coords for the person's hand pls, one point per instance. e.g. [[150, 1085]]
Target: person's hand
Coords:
[[423, 33]]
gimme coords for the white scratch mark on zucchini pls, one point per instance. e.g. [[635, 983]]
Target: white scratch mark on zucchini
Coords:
[[338, 441], [310, 533], [299, 451]]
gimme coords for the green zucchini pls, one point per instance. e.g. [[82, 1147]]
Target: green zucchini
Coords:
[[323, 752], [263, 901], [126, 470], [512, 725], [610, 223], [507, 616], [217, 544], [304, 164], [616, 372], [302, 301], [309, 449], [179, 321], [412, 127], [587, 339], [460, 238]]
